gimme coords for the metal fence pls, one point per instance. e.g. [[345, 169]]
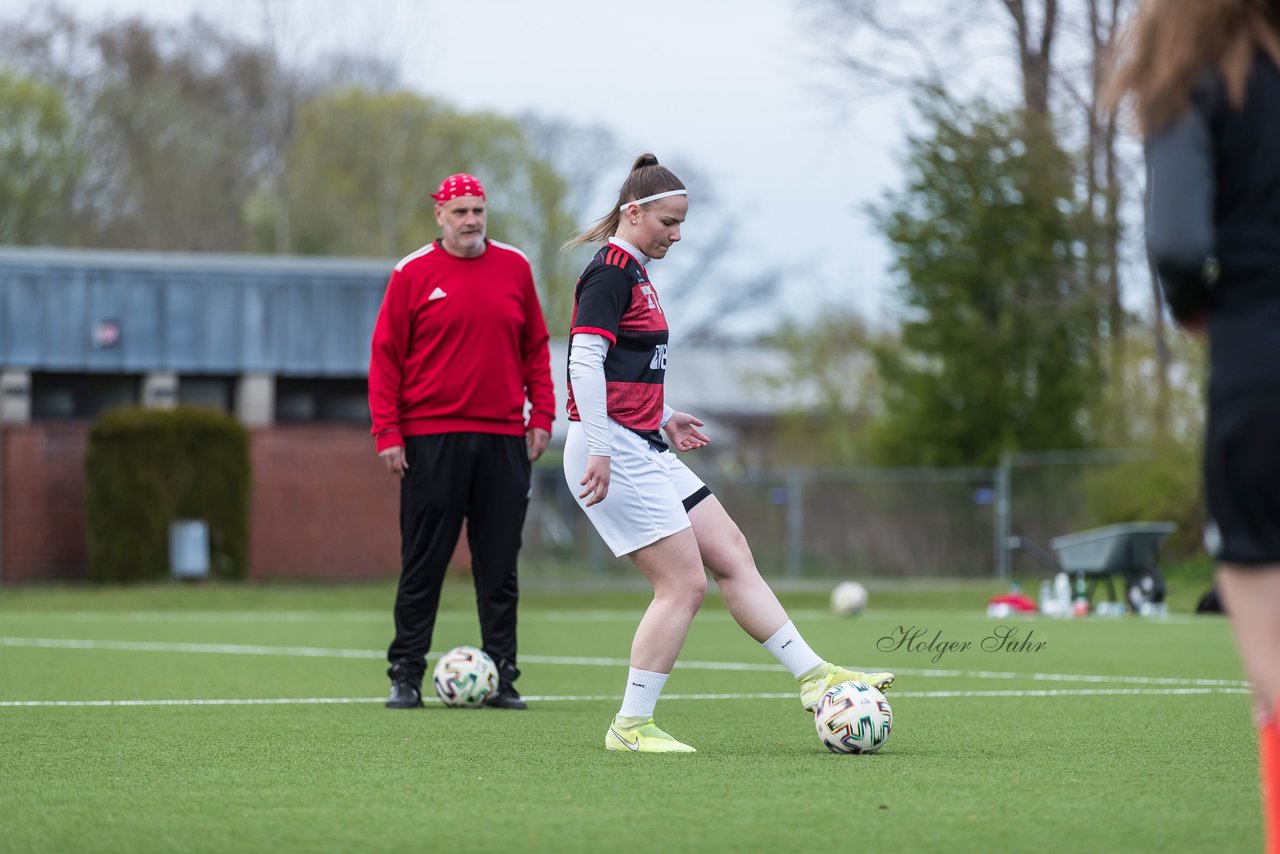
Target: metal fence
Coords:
[[879, 523], [903, 523], [1048, 494], [867, 522]]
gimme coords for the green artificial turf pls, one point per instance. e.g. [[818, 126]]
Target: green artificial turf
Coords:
[[1109, 737]]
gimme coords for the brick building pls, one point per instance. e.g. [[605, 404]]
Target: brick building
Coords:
[[282, 343]]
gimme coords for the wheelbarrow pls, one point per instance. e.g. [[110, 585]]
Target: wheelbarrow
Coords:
[[1099, 554]]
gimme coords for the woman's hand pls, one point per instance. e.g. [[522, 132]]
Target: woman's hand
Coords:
[[682, 429], [596, 480]]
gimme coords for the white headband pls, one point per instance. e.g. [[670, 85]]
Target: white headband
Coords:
[[654, 198]]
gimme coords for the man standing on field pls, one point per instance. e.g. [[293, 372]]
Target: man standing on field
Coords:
[[460, 344]]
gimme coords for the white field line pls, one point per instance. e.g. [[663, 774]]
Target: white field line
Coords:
[[896, 695], [271, 617], [565, 616], [326, 652], [384, 616], [376, 617], [207, 648]]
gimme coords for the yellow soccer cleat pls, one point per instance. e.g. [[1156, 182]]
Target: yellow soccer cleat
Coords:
[[642, 737], [820, 680]]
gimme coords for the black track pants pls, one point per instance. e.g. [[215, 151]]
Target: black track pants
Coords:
[[485, 479]]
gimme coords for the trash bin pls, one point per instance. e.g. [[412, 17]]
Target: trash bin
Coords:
[[189, 548]]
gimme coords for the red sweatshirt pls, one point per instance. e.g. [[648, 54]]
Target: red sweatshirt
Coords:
[[458, 345]]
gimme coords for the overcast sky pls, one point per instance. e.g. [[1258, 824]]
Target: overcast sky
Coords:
[[736, 88]]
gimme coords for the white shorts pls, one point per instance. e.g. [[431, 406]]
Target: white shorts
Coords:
[[647, 489]]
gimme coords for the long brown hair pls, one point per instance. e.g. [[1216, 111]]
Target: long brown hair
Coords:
[[1171, 41], [647, 178]]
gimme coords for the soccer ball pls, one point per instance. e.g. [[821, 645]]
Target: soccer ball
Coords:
[[853, 717], [848, 598], [465, 677]]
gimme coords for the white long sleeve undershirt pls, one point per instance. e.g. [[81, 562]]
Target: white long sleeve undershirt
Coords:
[[586, 372]]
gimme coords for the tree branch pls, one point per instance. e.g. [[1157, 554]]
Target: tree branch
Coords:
[[1019, 14], [1050, 21]]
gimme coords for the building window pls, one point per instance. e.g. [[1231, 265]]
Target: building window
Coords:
[[328, 400], [56, 396], [207, 392]]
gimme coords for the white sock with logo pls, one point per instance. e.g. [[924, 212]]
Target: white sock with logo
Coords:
[[643, 689], [791, 651]]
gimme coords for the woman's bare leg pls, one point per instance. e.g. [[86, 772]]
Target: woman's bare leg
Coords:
[[674, 568], [727, 555]]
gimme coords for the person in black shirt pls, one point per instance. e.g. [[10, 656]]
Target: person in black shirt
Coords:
[[644, 501], [1205, 78]]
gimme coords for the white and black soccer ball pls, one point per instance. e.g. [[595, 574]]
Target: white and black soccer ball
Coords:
[[853, 717], [849, 598], [465, 677]]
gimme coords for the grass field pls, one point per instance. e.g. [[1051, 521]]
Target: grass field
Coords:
[[250, 719]]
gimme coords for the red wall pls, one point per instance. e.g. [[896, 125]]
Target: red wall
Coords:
[[322, 505], [42, 490]]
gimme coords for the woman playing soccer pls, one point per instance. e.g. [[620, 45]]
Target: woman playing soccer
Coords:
[[1205, 78], [645, 503]]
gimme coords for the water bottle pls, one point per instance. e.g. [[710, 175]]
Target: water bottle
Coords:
[[1062, 594], [1080, 604]]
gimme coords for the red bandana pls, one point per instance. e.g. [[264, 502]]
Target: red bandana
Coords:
[[454, 186]]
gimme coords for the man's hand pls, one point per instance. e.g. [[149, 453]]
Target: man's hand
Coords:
[[394, 460], [682, 429], [536, 440]]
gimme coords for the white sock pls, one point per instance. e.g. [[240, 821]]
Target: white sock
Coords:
[[791, 651], [643, 689]]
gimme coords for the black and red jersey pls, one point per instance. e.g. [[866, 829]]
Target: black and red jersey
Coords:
[[614, 298]]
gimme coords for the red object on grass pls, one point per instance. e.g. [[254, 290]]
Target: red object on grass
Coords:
[[1016, 601]]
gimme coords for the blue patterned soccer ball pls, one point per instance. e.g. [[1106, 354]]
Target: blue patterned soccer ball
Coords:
[[465, 677], [853, 717]]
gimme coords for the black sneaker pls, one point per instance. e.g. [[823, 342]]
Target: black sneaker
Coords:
[[405, 694], [506, 697]]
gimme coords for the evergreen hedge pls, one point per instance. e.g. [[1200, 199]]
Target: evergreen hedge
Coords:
[[1165, 488], [146, 468]]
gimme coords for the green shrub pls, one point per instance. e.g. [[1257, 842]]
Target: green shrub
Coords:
[[1164, 488], [146, 468]]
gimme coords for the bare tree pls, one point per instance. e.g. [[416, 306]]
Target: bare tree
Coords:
[[1034, 51], [932, 47], [297, 73], [1107, 174], [701, 283], [167, 118], [918, 50]]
